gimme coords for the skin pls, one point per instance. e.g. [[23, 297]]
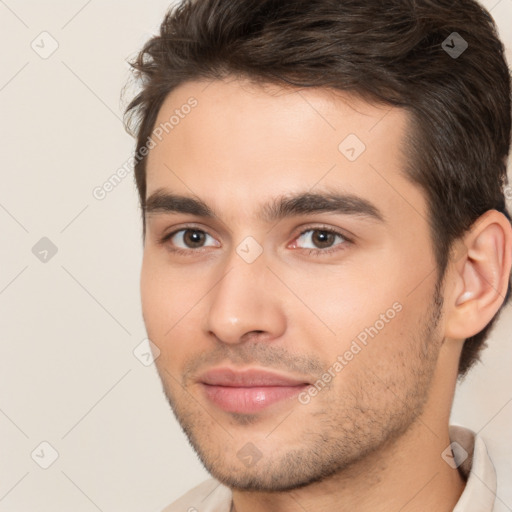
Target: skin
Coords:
[[372, 438]]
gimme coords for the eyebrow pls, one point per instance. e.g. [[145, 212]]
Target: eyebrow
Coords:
[[310, 203], [305, 203], [164, 202]]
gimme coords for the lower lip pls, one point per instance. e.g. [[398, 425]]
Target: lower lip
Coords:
[[249, 400]]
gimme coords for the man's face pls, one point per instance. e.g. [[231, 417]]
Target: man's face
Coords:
[[295, 313]]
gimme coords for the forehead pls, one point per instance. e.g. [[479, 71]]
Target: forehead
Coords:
[[233, 141]]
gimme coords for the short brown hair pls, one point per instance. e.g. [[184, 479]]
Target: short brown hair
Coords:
[[395, 52]]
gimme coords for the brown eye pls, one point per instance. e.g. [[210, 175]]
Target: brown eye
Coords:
[[190, 238], [319, 239], [194, 238], [323, 239]]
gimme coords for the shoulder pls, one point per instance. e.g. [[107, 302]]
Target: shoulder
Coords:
[[209, 496]]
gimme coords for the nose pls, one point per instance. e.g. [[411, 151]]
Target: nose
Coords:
[[246, 300]]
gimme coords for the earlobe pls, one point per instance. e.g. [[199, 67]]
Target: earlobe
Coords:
[[481, 276]]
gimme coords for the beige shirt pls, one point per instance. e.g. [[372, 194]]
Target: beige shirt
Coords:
[[479, 495]]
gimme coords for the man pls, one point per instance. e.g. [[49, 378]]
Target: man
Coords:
[[326, 245]]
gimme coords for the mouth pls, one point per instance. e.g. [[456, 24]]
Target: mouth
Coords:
[[248, 391]]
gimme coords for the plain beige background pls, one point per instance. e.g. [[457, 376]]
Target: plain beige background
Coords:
[[70, 321]]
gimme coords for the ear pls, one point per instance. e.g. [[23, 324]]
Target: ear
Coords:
[[481, 272]]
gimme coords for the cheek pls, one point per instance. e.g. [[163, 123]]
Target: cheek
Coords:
[[161, 306], [346, 300], [368, 305], [155, 302], [167, 292], [171, 300]]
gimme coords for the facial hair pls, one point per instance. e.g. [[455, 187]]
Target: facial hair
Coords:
[[371, 411]]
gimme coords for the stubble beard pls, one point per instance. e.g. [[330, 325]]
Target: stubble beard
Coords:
[[353, 426]]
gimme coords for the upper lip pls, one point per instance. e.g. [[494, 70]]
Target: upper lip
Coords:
[[247, 378]]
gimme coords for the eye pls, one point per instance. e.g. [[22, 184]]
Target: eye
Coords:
[[190, 238], [318, 239]]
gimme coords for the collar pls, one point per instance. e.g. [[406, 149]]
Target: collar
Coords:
[[477, 469]]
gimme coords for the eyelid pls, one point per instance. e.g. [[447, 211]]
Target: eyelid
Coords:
[[322, 252], [164, 239], [182, 233], [176, 229], [349, 237]]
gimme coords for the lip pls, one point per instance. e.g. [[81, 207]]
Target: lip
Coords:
[[248, 391]]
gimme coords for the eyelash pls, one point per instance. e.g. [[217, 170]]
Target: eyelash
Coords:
[[310, 252], [323, 252]]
